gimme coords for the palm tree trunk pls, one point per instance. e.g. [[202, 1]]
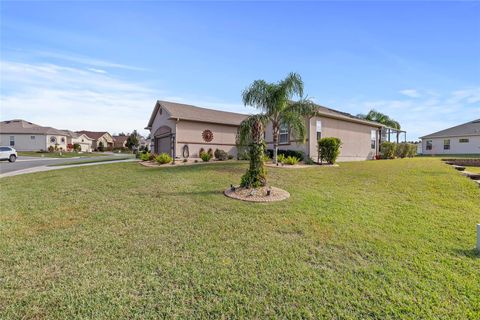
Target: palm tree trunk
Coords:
[[275, 130]]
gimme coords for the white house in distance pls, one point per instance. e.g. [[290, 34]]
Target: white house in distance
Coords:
[[26, 136], [82, 139], [461, 139]]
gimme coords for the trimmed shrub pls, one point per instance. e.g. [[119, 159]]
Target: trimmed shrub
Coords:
[[412, 150], [230, 157], [287, 153], [76, 147], [387, 150], [145, 156], [291, 160], [205, 156], [210, 152], [281, 157], [329, 149], [401, 150], [200, 152], [163, 158], [51, 148], [220, 155]]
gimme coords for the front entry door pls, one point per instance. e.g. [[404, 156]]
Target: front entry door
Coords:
[[163, 145]]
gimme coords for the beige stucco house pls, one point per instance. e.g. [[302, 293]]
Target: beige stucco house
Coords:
[[461, 139], [182, 130], [83, 140], [27, 136], [99, 136]]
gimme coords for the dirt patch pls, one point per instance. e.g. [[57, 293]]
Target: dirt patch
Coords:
[[258, 194]]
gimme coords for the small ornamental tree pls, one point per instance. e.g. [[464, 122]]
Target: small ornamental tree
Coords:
[[329, 149], [101, 147], [250, 134], [132, 141]]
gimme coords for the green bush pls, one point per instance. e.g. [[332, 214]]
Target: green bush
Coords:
[[163, 158], [101, 147], [412, 150], [210, 152], [329, 149], [280, 158], [200, 152], [51, 149], [294, 153], [230, 157], [291, 160], [308, 161], [77, 147], [205, 156], [265, 158], [388, 150], [220, 155], [145, 156]]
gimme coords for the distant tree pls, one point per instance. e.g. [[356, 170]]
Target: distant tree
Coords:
[[133, 140], [374, 115], [122, 134]]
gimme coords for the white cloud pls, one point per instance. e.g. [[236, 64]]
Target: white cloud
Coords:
[[97, 70], [73, 98], [412, 93], [429, 113]]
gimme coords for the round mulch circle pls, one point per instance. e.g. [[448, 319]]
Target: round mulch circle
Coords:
[[258, 194]]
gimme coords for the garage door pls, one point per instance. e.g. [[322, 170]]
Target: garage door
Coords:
[[163, 145]]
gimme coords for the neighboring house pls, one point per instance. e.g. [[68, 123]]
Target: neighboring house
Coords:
[[83, 140], [99, 136], [27, 136], [120, 141], [182, 130], [461, 139]]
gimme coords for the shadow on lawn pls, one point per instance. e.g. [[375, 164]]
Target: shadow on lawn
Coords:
[[469, 253]]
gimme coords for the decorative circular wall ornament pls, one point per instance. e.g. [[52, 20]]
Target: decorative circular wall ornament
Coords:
[[207, 135], [53, 139]]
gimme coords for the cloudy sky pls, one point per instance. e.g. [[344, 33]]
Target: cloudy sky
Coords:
[[102, 65]]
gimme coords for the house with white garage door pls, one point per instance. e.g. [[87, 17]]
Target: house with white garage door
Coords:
[[461, 139], [27, 136]]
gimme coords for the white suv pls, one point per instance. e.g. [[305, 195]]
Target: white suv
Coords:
[[8, 153]]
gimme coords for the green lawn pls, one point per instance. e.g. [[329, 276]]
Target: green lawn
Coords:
[[58, 155], [377, 239], [473, 169]]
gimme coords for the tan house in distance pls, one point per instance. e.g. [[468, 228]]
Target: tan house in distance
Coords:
[[120, 141], [27, 136], [182, 130], [83, 140], [97, 137]]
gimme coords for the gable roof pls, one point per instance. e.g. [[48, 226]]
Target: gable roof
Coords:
[[95, 135], [120, 139], [471, 128], [26, 127], [188, 112]]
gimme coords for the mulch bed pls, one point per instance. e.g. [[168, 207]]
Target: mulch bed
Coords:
[[257, 194]]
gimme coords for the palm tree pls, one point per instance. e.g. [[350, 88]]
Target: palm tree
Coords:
[[379, 117], [250, 134], [275, 101]]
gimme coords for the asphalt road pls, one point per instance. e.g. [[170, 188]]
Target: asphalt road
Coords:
[[30, 162]]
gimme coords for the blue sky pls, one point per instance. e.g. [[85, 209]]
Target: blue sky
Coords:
[[102, 65]]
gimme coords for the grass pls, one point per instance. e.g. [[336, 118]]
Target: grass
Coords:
[[58, 155], [473, 169], [366, 240], [89, 161]]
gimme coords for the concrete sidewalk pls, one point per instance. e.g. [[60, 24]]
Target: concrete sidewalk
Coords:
[[47, 168]]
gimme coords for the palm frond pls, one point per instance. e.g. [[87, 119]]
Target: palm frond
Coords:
[[248, 125]]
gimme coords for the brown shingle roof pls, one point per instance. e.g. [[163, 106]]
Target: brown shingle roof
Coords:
[[22, 126], [192, 113], [471, 128], [120, 139], [95, 135]]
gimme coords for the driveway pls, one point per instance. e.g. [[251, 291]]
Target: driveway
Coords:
[[24, 163]]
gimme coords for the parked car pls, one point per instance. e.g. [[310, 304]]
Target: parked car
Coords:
[[8, 153]]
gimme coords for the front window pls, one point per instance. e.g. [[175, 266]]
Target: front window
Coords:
[[12, 141], [319, 130], [429, 145], [373, 139], [446, 144], [63, 140], [464, 140], [283, 133], [53, 139], [32, 137]]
